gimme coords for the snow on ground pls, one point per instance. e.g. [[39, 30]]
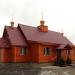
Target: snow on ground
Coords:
[[31, 69]]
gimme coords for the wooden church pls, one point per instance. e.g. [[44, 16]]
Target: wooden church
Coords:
[[33, 44]]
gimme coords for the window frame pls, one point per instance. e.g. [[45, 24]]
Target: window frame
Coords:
[[67, 51], [46, 51], [22, 51]]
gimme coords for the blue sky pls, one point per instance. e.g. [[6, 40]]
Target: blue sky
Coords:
[[58, 14]]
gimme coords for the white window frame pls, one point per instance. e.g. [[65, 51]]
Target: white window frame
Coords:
[[45, 51], [22, 51]]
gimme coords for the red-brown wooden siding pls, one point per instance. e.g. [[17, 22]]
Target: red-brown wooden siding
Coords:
[[46, 58], [21, 58], [38, 53], [34, 53], [5, 55]]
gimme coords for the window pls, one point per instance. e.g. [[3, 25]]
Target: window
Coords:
[[22, 51], [67, 52], [46, 51]]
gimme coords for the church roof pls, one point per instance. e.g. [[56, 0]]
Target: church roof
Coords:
[[15, 36], [21, 35], [4, 43], [34, 34]]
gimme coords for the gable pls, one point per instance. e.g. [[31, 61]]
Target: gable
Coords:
[[15, 37], [5, 33]]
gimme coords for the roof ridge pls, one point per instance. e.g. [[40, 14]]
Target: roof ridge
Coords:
[[36, 27], [31, 33]]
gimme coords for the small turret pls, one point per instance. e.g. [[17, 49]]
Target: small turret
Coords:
[[42, 22], [42, 27], [62, 34], [12, 24]]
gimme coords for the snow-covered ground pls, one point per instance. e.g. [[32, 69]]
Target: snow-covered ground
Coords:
[[31, 69]]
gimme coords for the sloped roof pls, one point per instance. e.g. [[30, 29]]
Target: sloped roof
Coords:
[[4, 43], [34, 34], [61, 46], [64, 46], [15, 36]]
